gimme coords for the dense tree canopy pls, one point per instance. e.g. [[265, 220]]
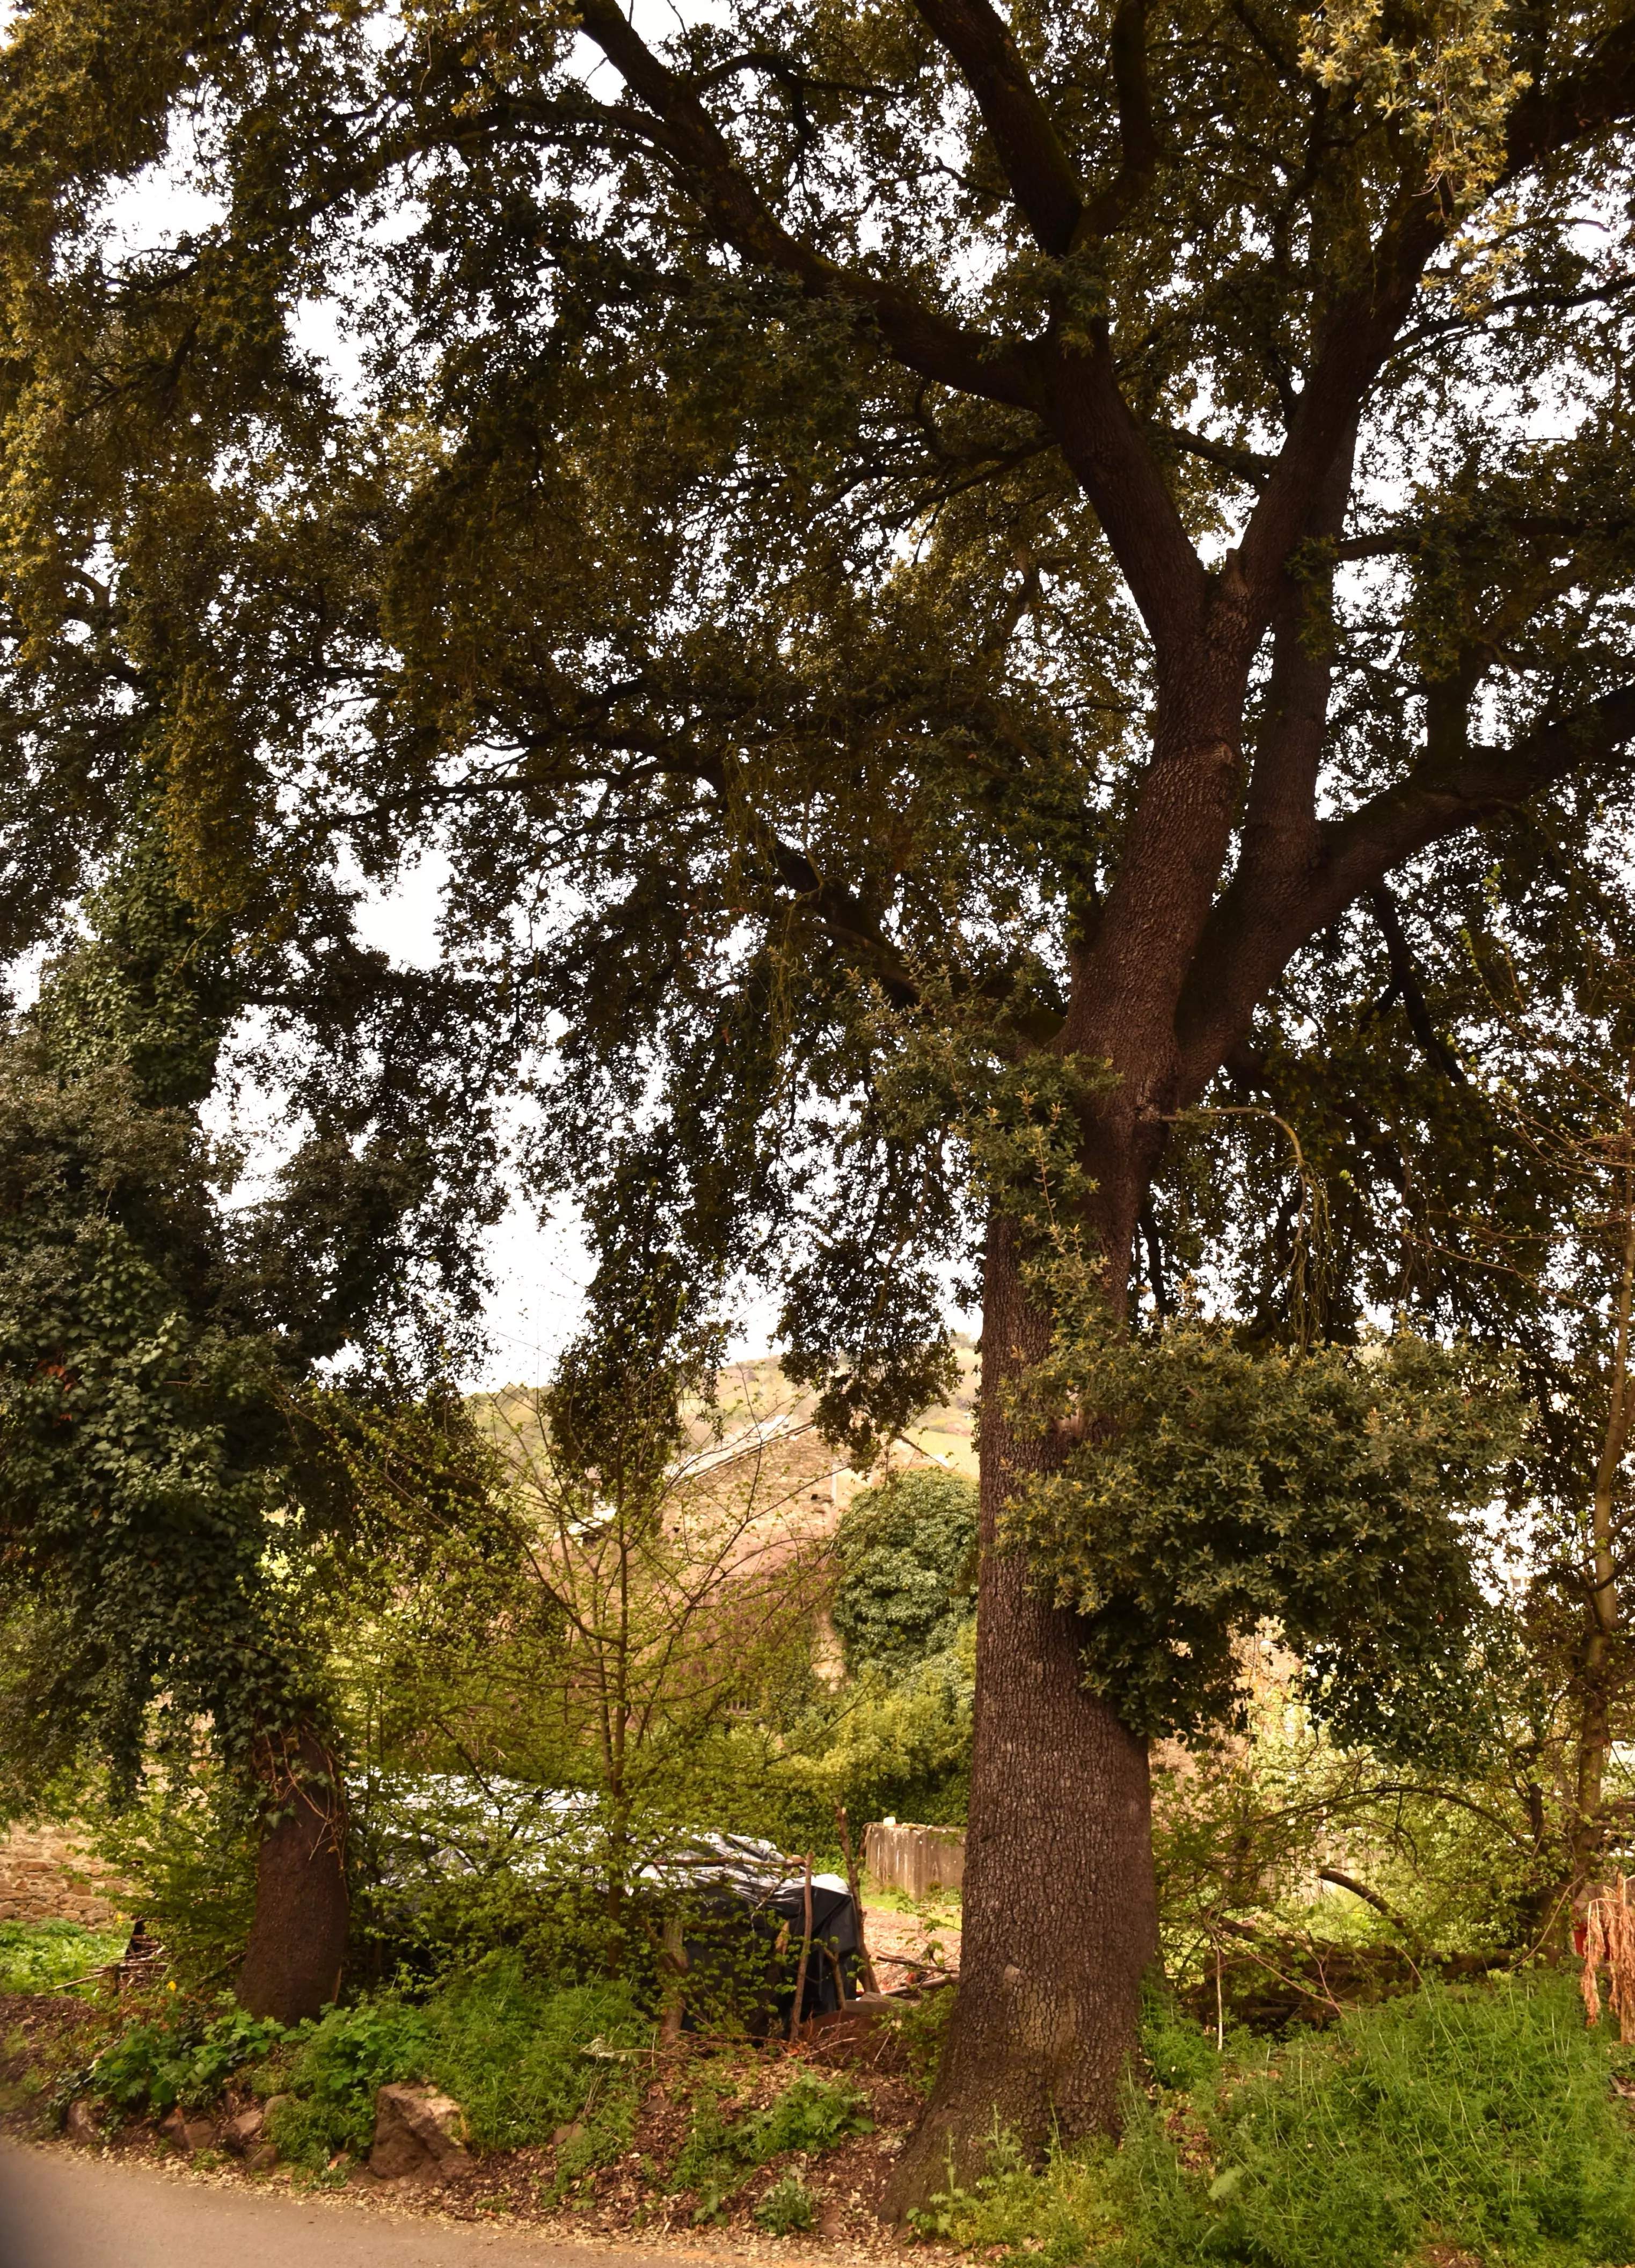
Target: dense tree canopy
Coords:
[[170, 1481], [706, 545]]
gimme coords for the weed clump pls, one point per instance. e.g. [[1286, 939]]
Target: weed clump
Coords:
[[720, 2152], [519, 2059], [787, 2207]]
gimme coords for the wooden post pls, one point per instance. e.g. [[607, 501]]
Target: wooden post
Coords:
[[806, 1955], [866, 1967], [836, 1964], [676, 1966]]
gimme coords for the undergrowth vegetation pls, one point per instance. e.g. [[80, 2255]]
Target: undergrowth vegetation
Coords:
[[1480, 2118], [1484, 2121], [519, 2059], [812, 2114], [42, 1957]]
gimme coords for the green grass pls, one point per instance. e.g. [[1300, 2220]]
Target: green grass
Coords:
[[944, 1907], [1482, 2119], [41, 1956]]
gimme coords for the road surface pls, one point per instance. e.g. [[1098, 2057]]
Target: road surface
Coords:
[[59, 2209]]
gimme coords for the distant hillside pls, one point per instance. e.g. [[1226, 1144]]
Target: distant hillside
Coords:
[[757, 1413]]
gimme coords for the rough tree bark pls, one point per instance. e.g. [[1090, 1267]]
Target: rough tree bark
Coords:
[[1601, 1607], [1060, 1801], [296, 1950]]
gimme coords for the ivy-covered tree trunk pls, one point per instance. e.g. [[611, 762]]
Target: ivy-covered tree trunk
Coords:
[[296, 1950], [1060, 1919]]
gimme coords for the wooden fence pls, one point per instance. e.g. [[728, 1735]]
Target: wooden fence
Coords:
[[914, 1860]]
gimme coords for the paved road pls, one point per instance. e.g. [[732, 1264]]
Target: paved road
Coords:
[[61, 2210]]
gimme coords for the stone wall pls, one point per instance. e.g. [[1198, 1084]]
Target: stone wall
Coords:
[[46, 1874]]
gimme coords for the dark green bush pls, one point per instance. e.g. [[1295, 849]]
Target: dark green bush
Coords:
[[907, 1552], [153, 2066]]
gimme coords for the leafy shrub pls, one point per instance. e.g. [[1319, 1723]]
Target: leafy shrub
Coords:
[[332, 2077], [518, 2058], [521, 2060], [1482, 2119], [812, 2114], [719, 2154], [907, 1553], [40, 1956], [153, 2066], [189, 1846]]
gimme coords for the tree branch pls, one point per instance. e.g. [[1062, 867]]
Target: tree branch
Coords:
[[1369, 1897], [1550, 116], [703, 163], [1138, 141], [1364, 326], [1040, 171], [1254, 932], [1435, 800], [1405, 983]]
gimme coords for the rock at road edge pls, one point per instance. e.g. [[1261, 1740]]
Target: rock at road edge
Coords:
[[417, 2131], [81, 2126], [242, 2133], [187, 2134]]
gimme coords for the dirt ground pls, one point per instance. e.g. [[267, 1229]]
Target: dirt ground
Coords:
[[905, 1948]]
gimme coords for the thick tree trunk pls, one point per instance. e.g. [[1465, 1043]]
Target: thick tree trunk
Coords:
[[1060, 1922], [296, 1948], [1601, 1608]]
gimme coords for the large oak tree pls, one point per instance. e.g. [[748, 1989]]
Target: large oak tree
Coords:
[[927, 564]]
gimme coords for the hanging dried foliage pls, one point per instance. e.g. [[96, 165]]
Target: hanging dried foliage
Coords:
[[1609, 1944]]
